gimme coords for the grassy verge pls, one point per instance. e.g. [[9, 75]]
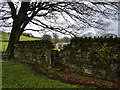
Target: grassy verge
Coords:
[[19, 75]]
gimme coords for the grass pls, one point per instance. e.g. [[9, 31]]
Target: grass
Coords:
[[24, 38], [3, 46], [4, 36], [19, 75]]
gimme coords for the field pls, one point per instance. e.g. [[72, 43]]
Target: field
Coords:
[[19, 75], [5, 37]]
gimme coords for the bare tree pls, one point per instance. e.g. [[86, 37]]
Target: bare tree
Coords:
[[46, 15]]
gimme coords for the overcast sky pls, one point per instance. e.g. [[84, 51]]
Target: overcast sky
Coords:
[[112, 28]]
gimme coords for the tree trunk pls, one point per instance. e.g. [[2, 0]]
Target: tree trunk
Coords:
[[14, 38], [20, 20]]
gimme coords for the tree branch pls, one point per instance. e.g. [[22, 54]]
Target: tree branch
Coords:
[[13, 10]]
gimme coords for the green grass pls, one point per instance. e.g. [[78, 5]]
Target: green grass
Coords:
[[3, 46], [4, 36], [24, 38], [19, 75]]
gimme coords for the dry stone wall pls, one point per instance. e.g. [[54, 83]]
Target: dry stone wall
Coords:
[[96, 56], [34, 51]]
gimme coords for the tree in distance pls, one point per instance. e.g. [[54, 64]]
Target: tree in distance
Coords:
[[66, 39], [46, 37]]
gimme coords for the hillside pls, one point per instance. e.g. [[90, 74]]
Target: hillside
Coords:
[[5, 37]]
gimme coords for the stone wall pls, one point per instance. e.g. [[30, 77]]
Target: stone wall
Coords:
[[96, 56], [34, 52]]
